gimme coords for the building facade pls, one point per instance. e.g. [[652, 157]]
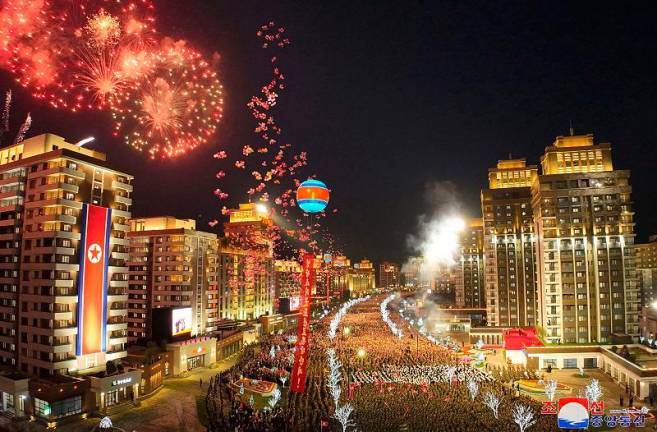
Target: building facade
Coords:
[[361, 279], [585, 261], [646, 270], [171, 265], [509, 245], [470, 292], [246, 265], [54, 196], [389, 275]]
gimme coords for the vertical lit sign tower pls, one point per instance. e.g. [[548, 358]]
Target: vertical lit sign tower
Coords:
[[92, 280]]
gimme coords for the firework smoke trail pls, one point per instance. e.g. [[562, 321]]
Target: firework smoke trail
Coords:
[[6, 111], [20, 136]]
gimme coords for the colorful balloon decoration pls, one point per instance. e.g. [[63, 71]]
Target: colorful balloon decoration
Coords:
[[312, 196]]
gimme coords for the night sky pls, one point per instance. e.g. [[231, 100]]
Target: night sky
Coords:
[[389, 97]]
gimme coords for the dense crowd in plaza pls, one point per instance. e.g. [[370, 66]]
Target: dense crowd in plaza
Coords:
[[393, 383]]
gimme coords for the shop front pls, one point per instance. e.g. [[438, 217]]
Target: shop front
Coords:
[[192, 353], [58, 398], [116, 389], [14, 394]]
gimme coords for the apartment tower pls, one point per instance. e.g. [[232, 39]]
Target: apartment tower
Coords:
[[470, 284], [63, 279], [172, 265], [582, 212], [646, 270], [246, 271], [509, 245]]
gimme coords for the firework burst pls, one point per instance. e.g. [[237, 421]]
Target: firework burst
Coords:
[[176, 109], [70, 53]]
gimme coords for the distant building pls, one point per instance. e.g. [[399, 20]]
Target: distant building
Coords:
[[646, 270], [340, 266], [287, 278], [389, 275], [585, 261], [172, 265], [361, 279], [509, 245], [246, 270], [469, 290], [411, 272], [63, 249]]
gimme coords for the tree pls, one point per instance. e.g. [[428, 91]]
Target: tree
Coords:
[[110, 367], [593, 390], [492, 402], [449, 373], [523, 416], [343, 414], [275, 397], [550, 389], [473, 388]]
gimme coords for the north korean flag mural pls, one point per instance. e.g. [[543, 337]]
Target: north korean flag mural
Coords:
[[92, 279]]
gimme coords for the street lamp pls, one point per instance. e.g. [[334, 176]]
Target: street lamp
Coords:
[[361, 355]]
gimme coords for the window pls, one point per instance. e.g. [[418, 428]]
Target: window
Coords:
[[570, 363], [58, 409]]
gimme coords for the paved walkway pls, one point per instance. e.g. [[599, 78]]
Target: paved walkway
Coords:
[[173, 408]]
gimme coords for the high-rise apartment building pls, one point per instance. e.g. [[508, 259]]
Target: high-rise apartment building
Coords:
[[172, 265], [63, 279], [646, 270], [246, 264], [585, 261], [509, 245], [469, 290], [389, 276]]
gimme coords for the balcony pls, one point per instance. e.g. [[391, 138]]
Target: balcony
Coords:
[[73, 172], [121, 255], [120, 227], [68, 363], [120, 185], [109, 356], [68, 329], [123, 200]]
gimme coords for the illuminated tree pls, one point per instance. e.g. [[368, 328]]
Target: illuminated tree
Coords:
[[523, 416], [593, 390], [550, 389], [343, 414], [273, 400], [473, 388], [492, 402]]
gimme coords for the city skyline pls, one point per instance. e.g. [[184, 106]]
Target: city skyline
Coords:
[[570, 81]]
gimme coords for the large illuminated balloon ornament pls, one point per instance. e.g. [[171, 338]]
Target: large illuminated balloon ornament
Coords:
[[312, 196]]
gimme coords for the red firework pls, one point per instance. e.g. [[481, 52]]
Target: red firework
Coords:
[[76, 54]]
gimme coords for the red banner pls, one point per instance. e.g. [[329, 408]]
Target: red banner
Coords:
[[92, 279], [298, 382]]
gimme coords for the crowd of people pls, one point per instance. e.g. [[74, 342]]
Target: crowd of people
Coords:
[[393, 383]]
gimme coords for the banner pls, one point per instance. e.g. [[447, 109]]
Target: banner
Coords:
[[298, 382], [92, 279]]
